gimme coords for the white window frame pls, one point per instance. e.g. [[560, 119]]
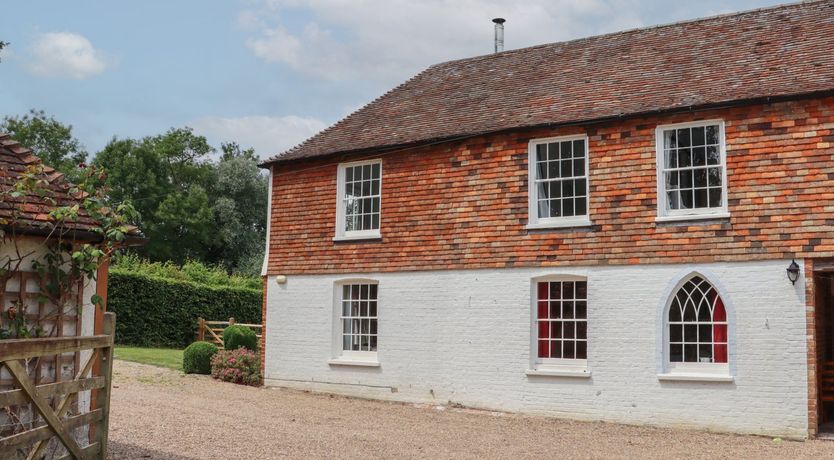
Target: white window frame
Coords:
[[692, 371], [339, 356], [556, 367], [534, 222], [664, 214], [341, 233]]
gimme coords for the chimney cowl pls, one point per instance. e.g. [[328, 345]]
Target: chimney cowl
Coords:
[[499, 34]]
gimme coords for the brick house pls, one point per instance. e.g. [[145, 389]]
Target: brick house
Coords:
[[598, 229]]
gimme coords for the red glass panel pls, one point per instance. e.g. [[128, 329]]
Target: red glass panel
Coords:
[[720, 353], [718, 313], [719, 335], [542, 291], [542, 309], [544, 329], [544, 349]]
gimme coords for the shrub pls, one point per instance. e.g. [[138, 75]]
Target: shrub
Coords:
[[192, 270], [161, 312], [237, 366], [236, 336], [197, 358]]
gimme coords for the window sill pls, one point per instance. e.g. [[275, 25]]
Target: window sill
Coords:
[[683, 218], [352, 362], [567, 223], [555, 372], [694, 377], [375, 236]]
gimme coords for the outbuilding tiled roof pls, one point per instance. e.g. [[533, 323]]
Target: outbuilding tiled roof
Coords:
[[783, 51], [32, 211]]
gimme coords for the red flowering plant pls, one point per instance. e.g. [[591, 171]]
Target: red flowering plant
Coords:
[[237, 366]]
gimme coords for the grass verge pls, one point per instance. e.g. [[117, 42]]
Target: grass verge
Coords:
[[163, 357]]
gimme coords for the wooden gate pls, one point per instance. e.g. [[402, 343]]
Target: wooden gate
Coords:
[[212, 331], [58, 410]]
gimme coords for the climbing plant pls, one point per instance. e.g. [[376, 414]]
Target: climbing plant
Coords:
[[63, 263]]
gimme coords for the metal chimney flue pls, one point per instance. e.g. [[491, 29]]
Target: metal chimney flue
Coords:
[[499, 34]]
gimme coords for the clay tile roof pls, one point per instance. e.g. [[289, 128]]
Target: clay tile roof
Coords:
[[33, 210], [784, 51]]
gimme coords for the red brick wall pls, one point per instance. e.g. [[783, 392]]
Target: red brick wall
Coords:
[[812, 327], [463, 204]]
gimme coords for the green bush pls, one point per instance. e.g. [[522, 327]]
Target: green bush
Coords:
[[196, 359], [159, 312], [236, 336], [238, 366]]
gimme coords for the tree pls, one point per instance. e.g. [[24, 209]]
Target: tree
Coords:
[[191, 206], [167, 178], [239, 207], [136, 173], [183, 227], [52, 140], [3, 45]]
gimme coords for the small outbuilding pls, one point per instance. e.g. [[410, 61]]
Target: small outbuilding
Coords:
[[53, 297]]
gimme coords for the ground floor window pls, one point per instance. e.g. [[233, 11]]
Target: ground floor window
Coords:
[[561, 320], [359, 318], [697, 324]]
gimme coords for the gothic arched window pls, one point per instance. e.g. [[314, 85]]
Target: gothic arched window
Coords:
[[697, 324]]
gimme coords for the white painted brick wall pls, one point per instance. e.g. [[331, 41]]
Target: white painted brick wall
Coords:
[[464, 337]]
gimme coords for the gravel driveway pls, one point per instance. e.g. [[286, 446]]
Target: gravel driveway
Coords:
[[161, 414]]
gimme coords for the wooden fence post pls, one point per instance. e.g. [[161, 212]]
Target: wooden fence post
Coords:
[[231, 321], [106, 366], [201, 329]]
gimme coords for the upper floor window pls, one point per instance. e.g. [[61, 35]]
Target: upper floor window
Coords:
[[358, 200], [558, 182], [691, 165]]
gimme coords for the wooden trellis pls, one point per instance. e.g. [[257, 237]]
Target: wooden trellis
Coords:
[[25, 288]]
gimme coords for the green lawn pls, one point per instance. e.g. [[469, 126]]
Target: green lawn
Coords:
[[164, 357]]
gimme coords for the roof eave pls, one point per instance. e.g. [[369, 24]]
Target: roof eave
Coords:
[[387, 148], [76, 235]]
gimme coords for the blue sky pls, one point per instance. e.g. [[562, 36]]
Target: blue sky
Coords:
[[266, 73]]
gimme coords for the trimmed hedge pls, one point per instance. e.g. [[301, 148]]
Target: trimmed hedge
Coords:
[[197, 357], [192, 270], [236, 336], [158, 312]]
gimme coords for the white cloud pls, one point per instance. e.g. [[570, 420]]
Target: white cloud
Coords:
[[267, 135], [65, 55], [248, 20], [5, 53], [388, 40]]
